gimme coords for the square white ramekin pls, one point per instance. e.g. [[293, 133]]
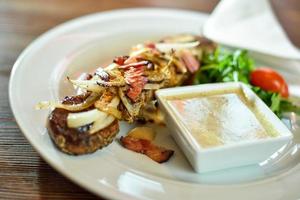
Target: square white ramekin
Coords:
[[228, 155]]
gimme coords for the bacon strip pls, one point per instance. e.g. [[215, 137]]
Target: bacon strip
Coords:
[[120, 60], [156, 153], [190, 61], [134, 77]]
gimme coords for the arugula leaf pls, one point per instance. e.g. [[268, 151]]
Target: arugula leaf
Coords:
[[272, 99], [287, 106], [222, 66]]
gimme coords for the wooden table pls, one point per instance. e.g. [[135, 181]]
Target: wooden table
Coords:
[[23, 174]]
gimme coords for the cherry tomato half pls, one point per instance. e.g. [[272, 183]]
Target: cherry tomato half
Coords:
[[269, 80]]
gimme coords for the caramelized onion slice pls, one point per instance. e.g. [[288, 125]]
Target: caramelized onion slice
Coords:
[[90, 100], [152, 86], [101, 124], [89, 85], [139, 52], [116, 83], [75, 120], [110, 108], [166, 47], [99, 119]]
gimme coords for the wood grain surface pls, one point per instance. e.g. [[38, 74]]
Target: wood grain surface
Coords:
[[23, 174]]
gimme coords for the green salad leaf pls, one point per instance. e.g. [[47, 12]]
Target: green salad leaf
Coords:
[[224, 66], [236, 66]]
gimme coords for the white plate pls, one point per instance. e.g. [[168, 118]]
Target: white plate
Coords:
[[83, 44]]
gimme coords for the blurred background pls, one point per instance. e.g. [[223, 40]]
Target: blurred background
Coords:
[[23, 20]]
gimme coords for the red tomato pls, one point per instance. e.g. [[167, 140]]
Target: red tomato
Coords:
[[269, 80]]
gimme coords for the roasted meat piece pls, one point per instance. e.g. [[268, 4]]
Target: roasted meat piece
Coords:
[[78, 141]]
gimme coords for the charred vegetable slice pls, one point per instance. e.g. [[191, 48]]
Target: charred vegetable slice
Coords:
[[89, 101]]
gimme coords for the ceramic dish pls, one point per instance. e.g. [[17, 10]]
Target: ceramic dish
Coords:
[[230, 117], [87, 42]]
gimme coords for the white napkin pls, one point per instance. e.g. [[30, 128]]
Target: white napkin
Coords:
[[249, 24]]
